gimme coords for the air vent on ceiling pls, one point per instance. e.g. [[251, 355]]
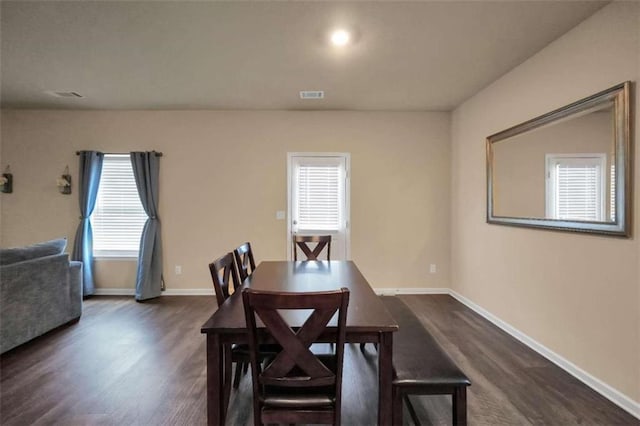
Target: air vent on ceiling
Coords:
[[65, 94], [311, 94]]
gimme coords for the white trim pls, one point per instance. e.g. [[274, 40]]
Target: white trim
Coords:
[[615, 396], [101, 291], [189, 292], [409, 290], [103, 258], [116, 255], [169, 292], [114, 292]]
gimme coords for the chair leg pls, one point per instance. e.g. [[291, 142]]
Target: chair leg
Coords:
[[459, 406], [236, 377], [245, 367]]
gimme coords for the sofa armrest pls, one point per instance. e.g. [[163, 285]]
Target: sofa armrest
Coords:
[[75, 288], [35, 298]]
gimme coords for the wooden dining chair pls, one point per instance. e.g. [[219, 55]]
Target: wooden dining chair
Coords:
[[244, 260], [224, 276], [296, 386], [300, 241]]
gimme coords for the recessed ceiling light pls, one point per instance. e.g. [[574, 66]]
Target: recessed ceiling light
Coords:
[[340, 37]]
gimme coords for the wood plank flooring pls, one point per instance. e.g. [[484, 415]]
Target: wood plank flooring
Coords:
[[128, 363]]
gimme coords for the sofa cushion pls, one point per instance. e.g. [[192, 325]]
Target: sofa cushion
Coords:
[[20, 254]]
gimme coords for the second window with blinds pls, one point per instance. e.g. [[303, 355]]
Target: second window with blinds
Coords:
[[318, 199]]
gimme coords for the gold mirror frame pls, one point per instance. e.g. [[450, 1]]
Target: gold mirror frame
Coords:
[[619, 96]]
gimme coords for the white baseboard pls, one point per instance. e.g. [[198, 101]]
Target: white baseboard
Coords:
[[168, 292], [189, 292], [409, 290], [114, 292], [615, 396], [210, 292]]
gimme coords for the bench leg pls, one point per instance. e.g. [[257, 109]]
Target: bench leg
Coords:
[[459, 404], [412, 411], [238, 372], [397, 406]]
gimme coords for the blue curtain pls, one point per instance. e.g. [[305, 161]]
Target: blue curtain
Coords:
[[89, 181], [146, 169]]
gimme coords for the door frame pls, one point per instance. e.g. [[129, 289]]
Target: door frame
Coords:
[[347, 194]]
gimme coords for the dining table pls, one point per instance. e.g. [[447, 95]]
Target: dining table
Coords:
[[367, 321]]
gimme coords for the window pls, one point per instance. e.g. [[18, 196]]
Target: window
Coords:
[[118, 217], [318, 195], [318, 198], [575, 187]]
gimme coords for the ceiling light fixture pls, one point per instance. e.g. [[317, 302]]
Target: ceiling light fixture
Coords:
[[340, 38]]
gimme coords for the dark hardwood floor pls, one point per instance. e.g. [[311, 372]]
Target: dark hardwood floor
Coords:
[[128, 363]]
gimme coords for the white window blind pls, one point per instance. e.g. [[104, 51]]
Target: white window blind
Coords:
[[576, 187], [118, 217], [612, 192], [319, 197], [577, 192]]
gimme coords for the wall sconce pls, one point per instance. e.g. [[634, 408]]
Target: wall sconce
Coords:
[[64, 182], [6, 181]]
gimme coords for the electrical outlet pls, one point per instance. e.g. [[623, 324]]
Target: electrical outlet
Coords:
[[178, 269], [432, 268]]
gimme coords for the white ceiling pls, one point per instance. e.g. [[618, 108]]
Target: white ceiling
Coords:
[[259, 54]]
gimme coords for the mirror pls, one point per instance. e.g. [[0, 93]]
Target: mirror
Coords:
[[567, 170]]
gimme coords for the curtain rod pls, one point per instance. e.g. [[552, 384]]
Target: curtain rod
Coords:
[[158, 154]]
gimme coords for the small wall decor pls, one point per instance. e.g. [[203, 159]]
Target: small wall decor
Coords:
[[6, 181], [64, 182]]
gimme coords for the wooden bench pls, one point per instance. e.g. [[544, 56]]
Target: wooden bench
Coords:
[[421, 367]]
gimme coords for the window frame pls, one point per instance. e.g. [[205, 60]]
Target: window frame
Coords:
[[115, 254], [346, 214], [553, 160]]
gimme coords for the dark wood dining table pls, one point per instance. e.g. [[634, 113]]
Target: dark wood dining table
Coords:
[[367, 321]]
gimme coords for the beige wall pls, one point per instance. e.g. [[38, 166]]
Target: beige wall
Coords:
[[223, 177], [576, 294]]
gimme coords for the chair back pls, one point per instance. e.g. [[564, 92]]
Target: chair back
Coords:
[[295, 365], [302, 240], [244, 261], [223, 272]]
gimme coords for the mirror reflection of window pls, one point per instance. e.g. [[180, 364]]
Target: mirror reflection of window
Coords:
[[527, 188], [612, 192], [575, 188]]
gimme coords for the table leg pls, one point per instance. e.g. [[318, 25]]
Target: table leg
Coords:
[[385, 376], [227, 380], [215, 394]]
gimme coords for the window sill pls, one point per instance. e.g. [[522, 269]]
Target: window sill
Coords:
[[103, 258]]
